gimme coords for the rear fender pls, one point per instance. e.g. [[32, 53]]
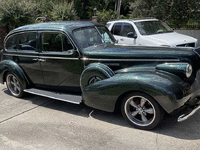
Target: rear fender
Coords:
[[168, 93], [10, 66]]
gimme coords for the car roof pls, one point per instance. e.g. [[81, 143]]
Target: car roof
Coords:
[[134, 20], [65, 25]]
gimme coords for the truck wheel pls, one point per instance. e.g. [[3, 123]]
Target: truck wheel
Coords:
[[141, 111], [13, 85], [94, 73]]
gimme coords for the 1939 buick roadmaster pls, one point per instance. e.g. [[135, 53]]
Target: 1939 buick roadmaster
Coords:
[[80, 62]]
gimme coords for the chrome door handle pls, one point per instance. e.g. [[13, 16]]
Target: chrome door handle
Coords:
[[121, 39], [41, 59], [35, 59]]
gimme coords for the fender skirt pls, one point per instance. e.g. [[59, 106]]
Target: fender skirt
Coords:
[[170, 94], [11, 66]]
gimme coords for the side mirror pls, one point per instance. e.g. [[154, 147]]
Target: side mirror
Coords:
[[132, 35]]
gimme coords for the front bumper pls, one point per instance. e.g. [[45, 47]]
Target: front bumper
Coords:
[[189, 113], [193, 104]]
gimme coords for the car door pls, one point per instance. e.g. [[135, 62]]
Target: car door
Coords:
[[22, 48], [116, 31], [128, 29], [61, 66]]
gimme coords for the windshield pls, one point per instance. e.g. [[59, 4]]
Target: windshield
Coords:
[[106, 35], [152, 27], [87, 37]]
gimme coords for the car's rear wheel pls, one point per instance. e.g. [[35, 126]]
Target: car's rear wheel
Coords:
[[141, 111], [13, 85]]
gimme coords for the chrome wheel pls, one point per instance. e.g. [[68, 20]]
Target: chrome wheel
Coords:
[[141, 111], [13, 85]]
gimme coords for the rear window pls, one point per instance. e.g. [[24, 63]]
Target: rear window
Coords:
[[11, 43], [27, 41]]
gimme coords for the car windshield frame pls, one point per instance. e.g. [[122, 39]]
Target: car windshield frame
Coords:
[[152, 27], [92, 36]]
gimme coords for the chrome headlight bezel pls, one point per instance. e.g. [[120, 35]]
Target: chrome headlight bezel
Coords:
[[188, 71], [183, 70]]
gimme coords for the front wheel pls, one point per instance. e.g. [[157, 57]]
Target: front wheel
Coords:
[[13, 85], [141, 111]]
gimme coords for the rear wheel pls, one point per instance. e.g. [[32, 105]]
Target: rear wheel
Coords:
[[13, 85], [141, 111]]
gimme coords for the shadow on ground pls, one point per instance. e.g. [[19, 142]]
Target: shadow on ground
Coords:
[[188, 129]]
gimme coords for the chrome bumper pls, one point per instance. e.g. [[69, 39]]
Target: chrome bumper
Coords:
[[187, 115]]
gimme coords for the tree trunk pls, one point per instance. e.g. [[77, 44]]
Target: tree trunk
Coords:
[[118, 8]]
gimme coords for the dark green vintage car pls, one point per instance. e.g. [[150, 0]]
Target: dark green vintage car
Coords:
[[81, 62]]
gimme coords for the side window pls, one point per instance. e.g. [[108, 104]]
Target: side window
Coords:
[[27, 41], [11, 43], [55, 42], [52, 42], [66, 43], [116, 29], [127, 28]]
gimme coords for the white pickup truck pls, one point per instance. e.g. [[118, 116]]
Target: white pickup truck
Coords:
[[148, 32]]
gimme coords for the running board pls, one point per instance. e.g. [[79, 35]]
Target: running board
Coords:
[[76, 99]]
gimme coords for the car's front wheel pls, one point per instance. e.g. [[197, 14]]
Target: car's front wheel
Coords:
[[13, 85], [141, 111]]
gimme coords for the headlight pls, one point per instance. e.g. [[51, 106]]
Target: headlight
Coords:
[[188, 71], [181, 69]]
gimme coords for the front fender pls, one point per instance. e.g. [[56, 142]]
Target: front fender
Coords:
[[162, 87], [11, 66]]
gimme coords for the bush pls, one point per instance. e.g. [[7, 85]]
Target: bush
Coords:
[[64, 11], [15, 13]]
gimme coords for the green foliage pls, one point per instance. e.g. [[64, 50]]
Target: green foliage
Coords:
[[64, 11], [14, 13], [81, 6], [99, 4], [175, 12], [105, 15], [44, 8]]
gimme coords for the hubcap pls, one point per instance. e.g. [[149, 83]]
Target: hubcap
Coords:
[[139, 110], [13, 84]]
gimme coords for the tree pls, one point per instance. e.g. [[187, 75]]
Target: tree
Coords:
[[44, 8], [176, 12], [15, 13], [81, 7], [105, 15], [64, 11]]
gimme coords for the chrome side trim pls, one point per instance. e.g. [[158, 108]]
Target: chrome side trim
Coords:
[[94, 59], [42, 57], [65, 58], [21, 55], [187, 115]]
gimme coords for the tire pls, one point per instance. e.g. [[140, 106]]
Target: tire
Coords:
[[94, 73], [14, 86], [141, 111]]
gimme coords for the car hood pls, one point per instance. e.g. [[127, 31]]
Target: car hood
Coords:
[[131, 55], [118, 51], [171, 39]]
